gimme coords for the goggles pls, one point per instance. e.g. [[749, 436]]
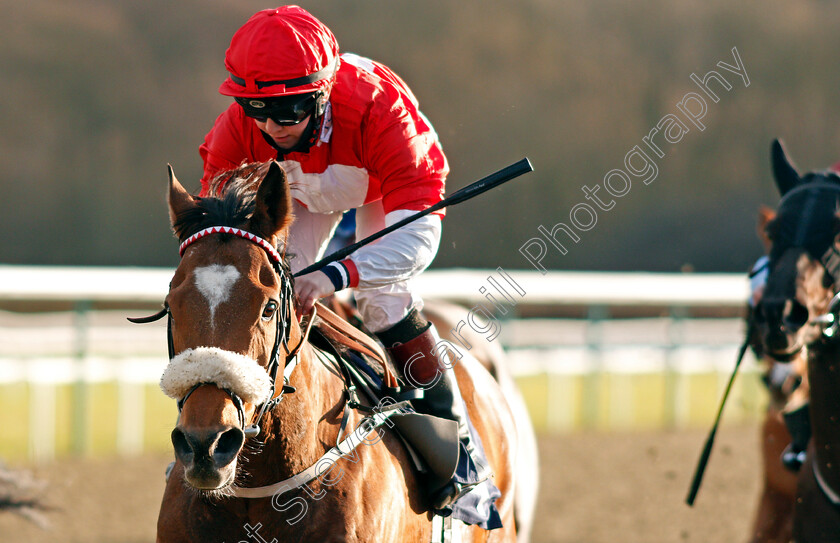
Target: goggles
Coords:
[[283, 110]]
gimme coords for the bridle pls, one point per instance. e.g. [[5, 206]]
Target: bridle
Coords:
[[815, 193], [345, 443], [818, 193], [796, 235], [282, 336]]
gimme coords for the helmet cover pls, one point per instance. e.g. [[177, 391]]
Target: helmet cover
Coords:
[[279, 52]]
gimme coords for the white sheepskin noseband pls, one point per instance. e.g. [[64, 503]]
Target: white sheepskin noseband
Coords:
[[226, 369]]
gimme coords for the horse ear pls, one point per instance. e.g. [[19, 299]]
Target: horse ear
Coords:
[[179, 199], [784, 172], [765, 215], [273, 212]]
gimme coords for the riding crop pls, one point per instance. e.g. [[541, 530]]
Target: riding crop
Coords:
[[707, 448], [470, 191]]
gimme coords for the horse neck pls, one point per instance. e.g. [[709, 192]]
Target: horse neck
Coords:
[[297, 430], [824, 383]]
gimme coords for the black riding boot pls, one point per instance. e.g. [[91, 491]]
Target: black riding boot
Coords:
[[416, 360]]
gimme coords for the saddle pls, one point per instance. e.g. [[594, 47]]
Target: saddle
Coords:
[[432, 443], [340, 332]]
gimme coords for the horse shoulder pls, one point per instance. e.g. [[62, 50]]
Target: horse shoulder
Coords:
[[376, 493]]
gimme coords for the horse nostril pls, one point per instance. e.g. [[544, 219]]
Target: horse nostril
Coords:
[[228, 446], [183, 449], [796, 316]]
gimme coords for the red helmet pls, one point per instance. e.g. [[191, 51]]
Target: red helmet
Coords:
[[279, 52]]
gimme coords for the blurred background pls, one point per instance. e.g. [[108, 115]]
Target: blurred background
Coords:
[[100, 95], [621, 373]]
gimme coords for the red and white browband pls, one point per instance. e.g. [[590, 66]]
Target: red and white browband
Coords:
[[268, 247]]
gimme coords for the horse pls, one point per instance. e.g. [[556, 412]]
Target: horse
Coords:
[[244, 439], [787, 385], [21, 493], [490, 354], [797, 316]]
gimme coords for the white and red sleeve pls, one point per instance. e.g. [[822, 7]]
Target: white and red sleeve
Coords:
[[399, 255]]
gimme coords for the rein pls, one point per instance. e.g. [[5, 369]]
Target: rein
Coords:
[[323, 465], [827, 491]]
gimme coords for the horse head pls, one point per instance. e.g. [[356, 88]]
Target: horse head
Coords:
[[230, 318], [803, 263]]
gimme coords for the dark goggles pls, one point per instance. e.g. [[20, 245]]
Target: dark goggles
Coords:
[[283, 110]]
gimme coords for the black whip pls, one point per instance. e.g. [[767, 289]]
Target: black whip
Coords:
[[710, 441], [470, 191]]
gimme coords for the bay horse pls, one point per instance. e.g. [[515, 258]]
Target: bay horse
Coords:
[[798, 315], [787, 385], [261, 410]]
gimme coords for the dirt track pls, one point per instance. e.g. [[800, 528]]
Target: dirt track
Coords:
[[596, 488]]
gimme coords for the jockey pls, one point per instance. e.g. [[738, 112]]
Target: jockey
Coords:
[[349, 134]]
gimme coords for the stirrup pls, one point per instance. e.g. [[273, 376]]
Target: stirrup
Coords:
[[450, 493]]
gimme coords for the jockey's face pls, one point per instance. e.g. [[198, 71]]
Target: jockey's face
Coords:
[[285, 137]]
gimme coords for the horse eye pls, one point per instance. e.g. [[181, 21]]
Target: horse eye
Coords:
[[270, 309]]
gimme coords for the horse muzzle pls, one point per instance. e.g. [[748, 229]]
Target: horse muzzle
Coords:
[[208, 457], [781, 323]]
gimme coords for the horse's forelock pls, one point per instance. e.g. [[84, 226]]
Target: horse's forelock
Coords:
[[230, 201], [247, 176], [234, 210]]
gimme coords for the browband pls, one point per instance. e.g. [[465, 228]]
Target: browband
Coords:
[[273, 255]]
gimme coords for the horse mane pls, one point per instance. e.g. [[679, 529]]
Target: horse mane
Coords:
[[230, 201]]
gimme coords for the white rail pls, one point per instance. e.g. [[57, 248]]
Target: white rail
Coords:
[[133, 285], [588, 371]]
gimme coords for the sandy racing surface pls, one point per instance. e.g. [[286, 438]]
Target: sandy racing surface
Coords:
[[597, 488]]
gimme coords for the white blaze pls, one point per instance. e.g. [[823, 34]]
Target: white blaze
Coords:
[[215, 283]]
